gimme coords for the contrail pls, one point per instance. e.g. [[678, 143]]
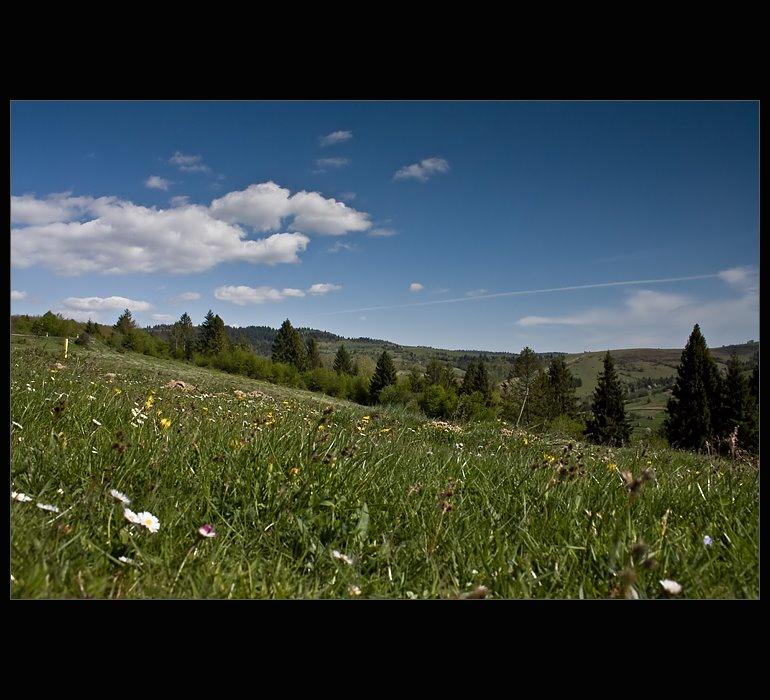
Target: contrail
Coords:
[[521, 293]]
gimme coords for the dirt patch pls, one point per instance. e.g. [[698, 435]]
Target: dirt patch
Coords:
[[179, 384]]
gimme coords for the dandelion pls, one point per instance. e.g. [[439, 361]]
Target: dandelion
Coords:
[[707, 541], [22, 497], [95, 422], [671, 587], [131, 516], [149, 521], [165, 423], [207, 531], [612, 467], [120, 496], [342, 557], [118, 391], [45, 506]]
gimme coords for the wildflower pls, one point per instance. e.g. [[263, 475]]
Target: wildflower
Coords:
[[131, 516], [707, 541], [525, 441], [671, 587], [91, 398], [612, 466], [118, 391], [165, 423], [207, 531], [354, 590], [95, 422], [150, 401], [45, 506], [120, 496], [126, 560], [294, 471], [22, 497], [385, 430], [149, 521], [343, 557]]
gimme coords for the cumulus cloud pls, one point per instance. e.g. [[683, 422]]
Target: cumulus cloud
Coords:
[[242, 295], [332, 162], [745, 277], [154, 182], [27, 209], [188, 163], [181, 200], [382, 232], [313, 213], [121, 237], [187, 296], [324, 288], [423, 170], [415, 287], [114, 303], [335, 137], [17, 296]]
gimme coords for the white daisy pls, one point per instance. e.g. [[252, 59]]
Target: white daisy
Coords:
[[344, 557], [131, 516], [120, 496], [20, 497], [45, 506], [671, 587], [149, 521]]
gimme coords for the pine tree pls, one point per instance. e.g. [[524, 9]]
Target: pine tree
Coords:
[[608, 424], [694, 411], [561, 397], [384, 375], [92, 328], [313, 356], [289, 348], [219, 342], [186, 334], [342, 363], [205, 333], [125, 323], [469, 378], [738, 409]]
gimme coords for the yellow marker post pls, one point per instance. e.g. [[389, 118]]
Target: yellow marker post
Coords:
[[66, 346]]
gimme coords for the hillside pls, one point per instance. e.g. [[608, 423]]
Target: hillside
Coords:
[[312, 497]]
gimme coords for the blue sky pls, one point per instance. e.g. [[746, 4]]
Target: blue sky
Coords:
[[408, 221]]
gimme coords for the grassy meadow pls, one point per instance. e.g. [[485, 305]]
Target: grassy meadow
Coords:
[[312, 497]]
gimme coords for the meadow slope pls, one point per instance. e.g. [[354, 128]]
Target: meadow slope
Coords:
[[312, 497]]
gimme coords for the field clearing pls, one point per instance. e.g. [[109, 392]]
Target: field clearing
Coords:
[[312, 497]]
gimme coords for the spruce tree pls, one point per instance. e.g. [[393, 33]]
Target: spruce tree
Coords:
[[313, 356], [470, 379], [561, 398], [186, 334], [608, 424], [206, 333], [289, 348], [342, 363], [384, 375], [219, 342], [738, 409], [125, 323], [694, 411]]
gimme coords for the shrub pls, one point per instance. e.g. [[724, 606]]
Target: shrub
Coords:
[[473, 407], [85, 339], [567, 427], [438, 401]]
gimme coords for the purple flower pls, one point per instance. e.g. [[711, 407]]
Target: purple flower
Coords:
[[708, 541], [207, 531]]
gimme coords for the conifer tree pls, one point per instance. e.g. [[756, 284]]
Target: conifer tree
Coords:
[[313, 356], [694, 412], [219, 341], [469, 379], [384, 375], [186, 332], [520, 404], [206, 332], [92, 328], [289, 348], [561, 398], [608, 423], [125, 323], [342, 363], [738, 409]]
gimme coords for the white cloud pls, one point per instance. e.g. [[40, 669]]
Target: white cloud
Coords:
[[339, 245], [415, 287], [27, 209], [187, 296], [324, 288], [189, 164], [122, 237], [114, 303], [335, 137], [332, 162], [17, 296], [242, 295], [154, 182], [348, 196], [313, 213], [162, 317], [181, 200], [422, 170], [743, 276], [382, 232]]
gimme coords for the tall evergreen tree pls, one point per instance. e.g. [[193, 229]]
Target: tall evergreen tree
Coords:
[[125, 323], [183, 335], [206, 333], [289, 348], [342, 362], [561, 399], [92, 328], [694, 411], [738, 408], [313, 355], [520, 405], [384, 375], [608, 423]]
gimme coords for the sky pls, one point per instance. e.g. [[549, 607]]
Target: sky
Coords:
[[562, 226]]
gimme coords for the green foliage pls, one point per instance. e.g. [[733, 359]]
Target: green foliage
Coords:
[[476, 379], [342, 362], [608, 423], [440, 373], [438, 401], [398, 394], [288, 347], [524, 391], [125, 323], [313, 356], [695, 409], [212, 336], [738, 407], [474, 407], [567, 427], [182, 339], [560, 394], [384, 375], [85, 339]]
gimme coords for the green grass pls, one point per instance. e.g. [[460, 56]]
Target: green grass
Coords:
[[422, 509]]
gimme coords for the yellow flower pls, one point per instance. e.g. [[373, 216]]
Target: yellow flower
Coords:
[[118, 391], [165, 423], [612, 467], [385, 430], [150, 401], [366, 418], [526, 442], [294, 471]]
